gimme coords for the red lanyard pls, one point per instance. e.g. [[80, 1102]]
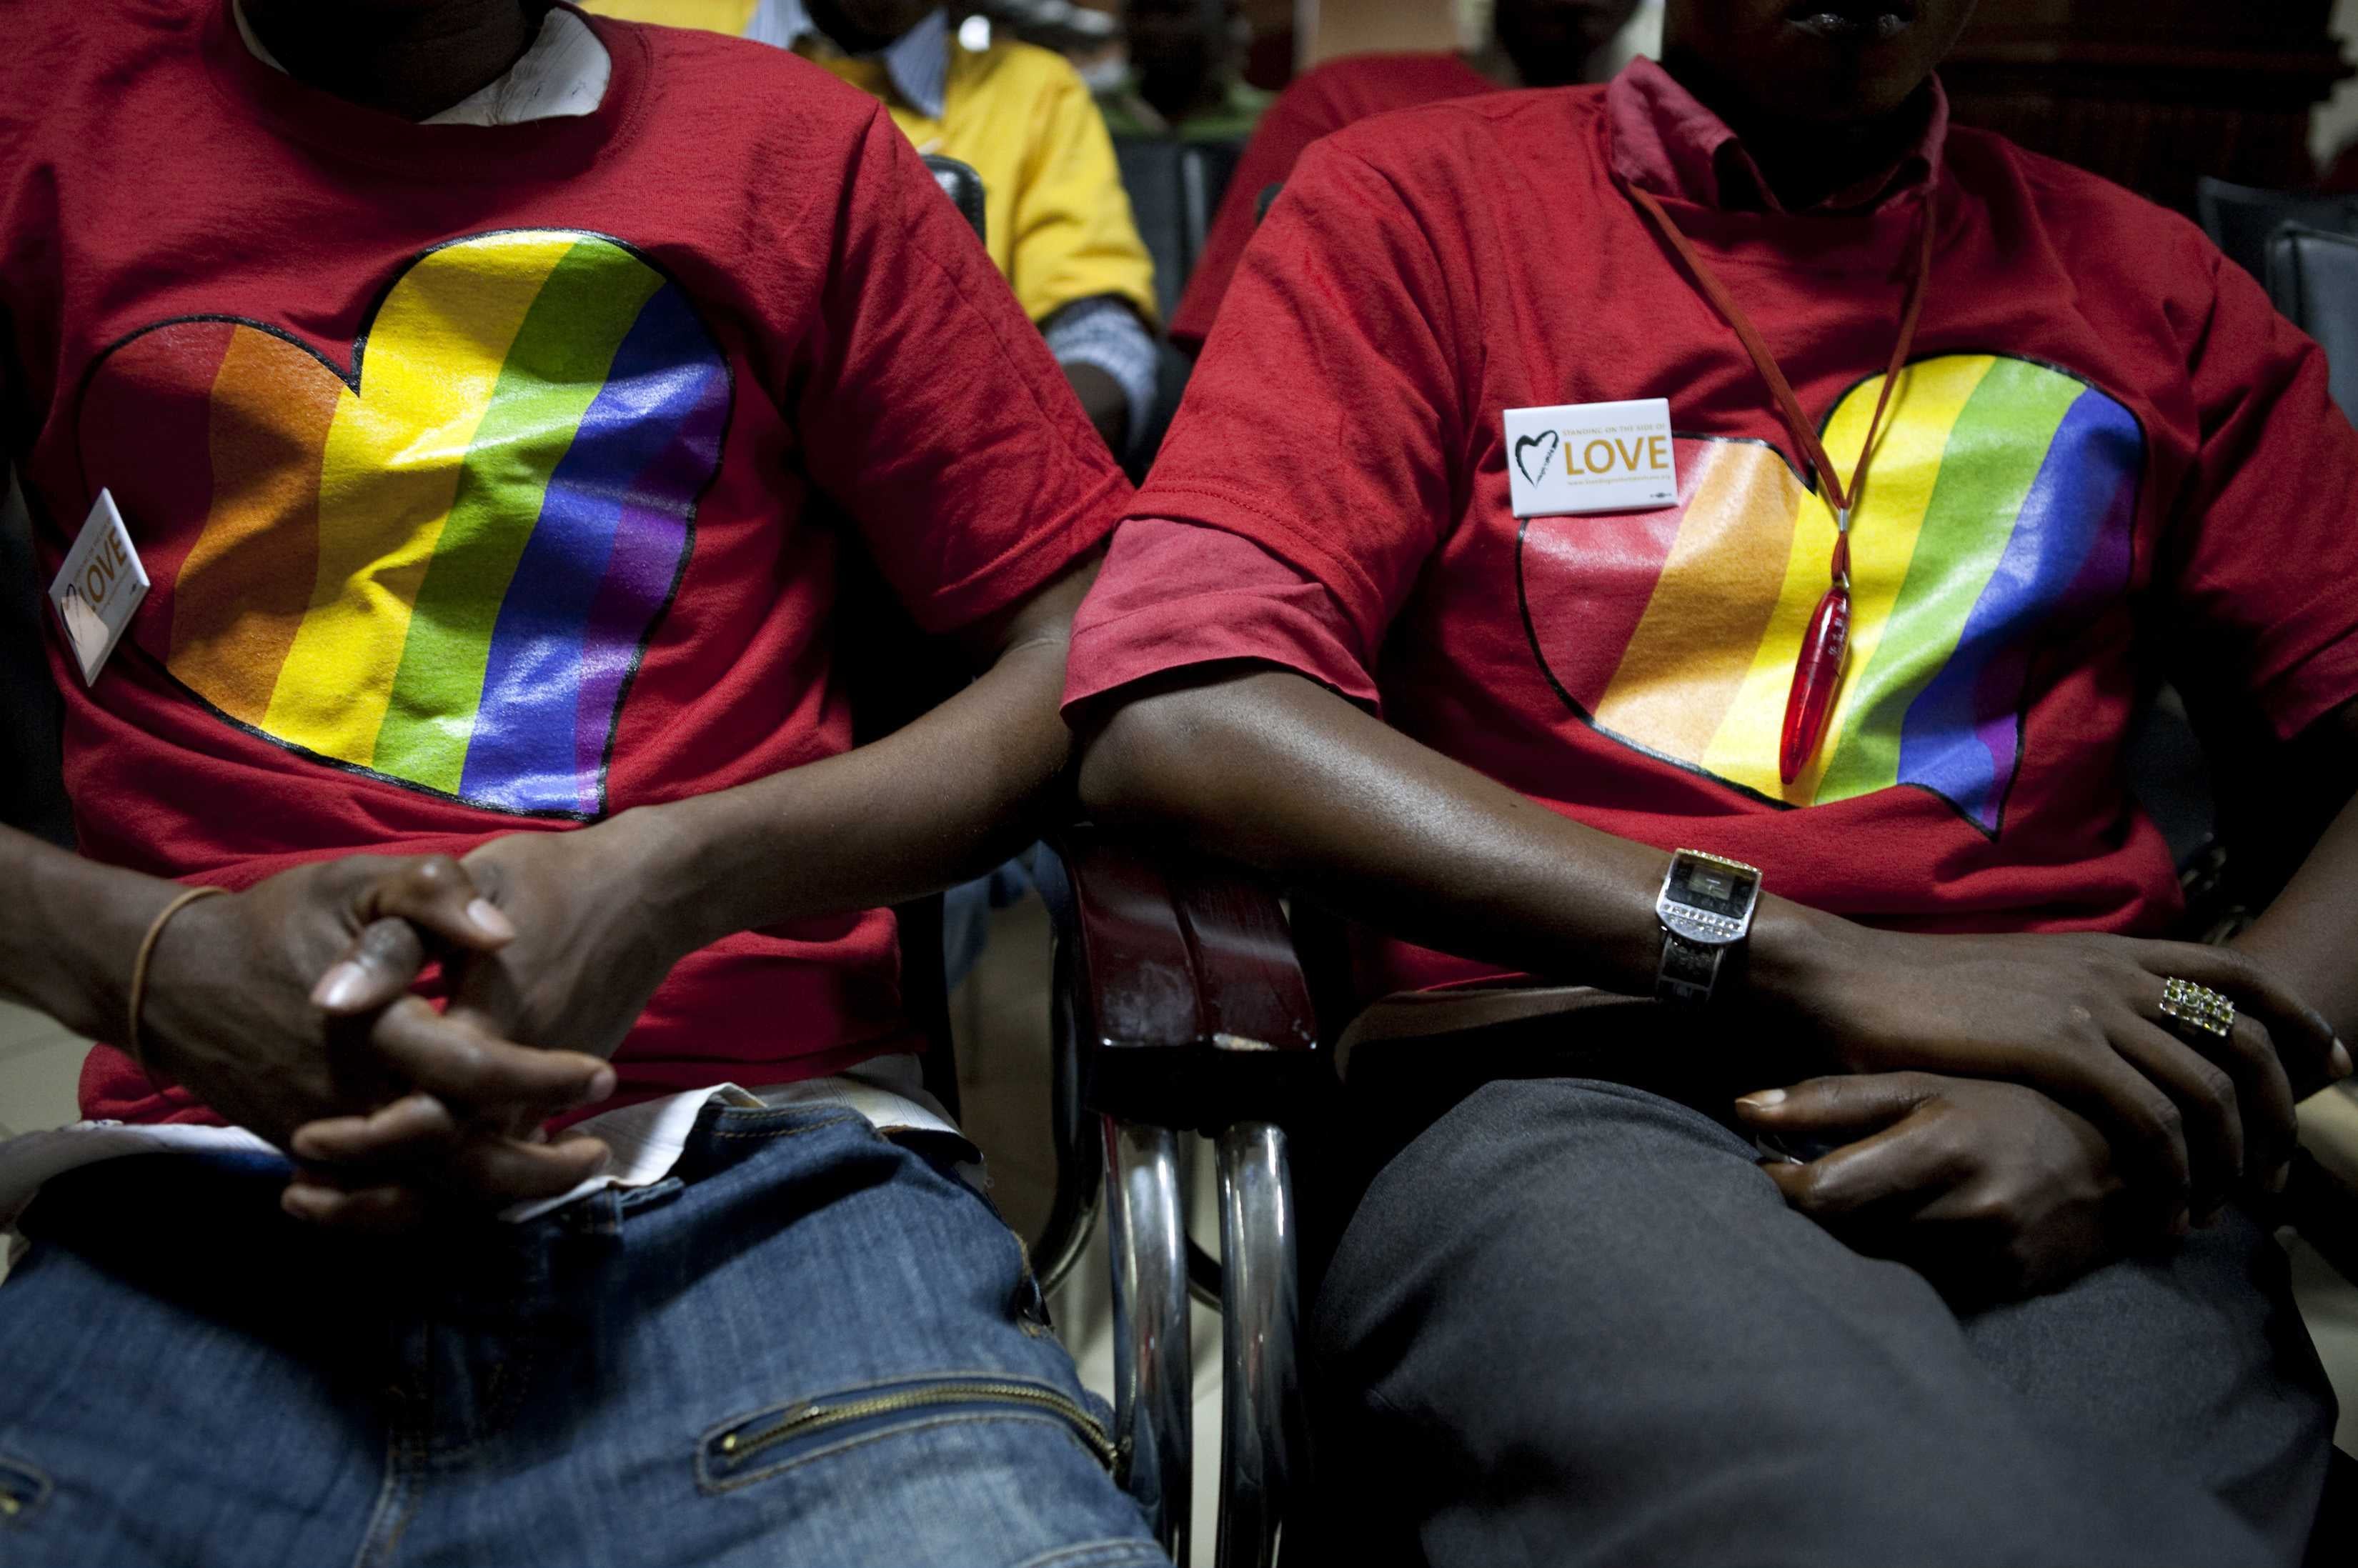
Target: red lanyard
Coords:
[[1819, 672]]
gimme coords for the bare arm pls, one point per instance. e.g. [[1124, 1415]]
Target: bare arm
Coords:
[[943, 799], [603, 913], [69, 930], [1269, 767], [2310, 932], [1276, 771], [1103, 400], [229, 1007], [2004, 1191]]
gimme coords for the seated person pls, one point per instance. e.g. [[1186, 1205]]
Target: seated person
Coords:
[[1057, 221], [1573, 1319], [1532, 43], [1186, 73], [489, 395]]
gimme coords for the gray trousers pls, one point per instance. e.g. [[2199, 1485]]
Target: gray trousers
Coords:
[[1571, 1323]]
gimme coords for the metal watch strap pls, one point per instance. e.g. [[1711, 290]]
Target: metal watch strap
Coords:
[[1689, 969]]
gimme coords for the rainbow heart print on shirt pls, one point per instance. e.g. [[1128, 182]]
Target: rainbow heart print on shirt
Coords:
[[442, 569], [1998, 520]]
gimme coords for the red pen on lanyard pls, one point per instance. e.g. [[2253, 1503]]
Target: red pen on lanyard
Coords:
[[1817, 676]]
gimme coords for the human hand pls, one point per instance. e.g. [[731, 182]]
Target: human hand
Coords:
[[230, 1011], [594, 939], [2080, 1017], [1990, 1190]]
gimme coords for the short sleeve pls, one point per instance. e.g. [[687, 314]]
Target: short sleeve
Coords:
[[2261, 562], [1075, 237], [932, 412], [1326, 420], [1174, 596], [1299, 117]]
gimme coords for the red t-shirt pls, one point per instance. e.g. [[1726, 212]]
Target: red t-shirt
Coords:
[[2108, 453], [494, 478], [1316, 103]]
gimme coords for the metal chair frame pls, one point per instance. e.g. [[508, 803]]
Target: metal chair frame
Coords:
[[1182, 1009]]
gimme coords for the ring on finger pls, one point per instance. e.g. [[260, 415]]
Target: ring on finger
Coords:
[[2198, 1006]]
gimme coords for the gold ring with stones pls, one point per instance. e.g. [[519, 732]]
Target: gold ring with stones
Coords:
[[2198, 1005]]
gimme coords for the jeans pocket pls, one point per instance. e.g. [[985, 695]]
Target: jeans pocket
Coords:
[[751, 1447], [23, 1490]]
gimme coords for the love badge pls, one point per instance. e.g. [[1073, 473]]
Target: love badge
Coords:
[[1579, 458], [99, 587]]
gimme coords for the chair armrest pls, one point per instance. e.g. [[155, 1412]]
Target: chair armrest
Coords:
[[1189, 1005]]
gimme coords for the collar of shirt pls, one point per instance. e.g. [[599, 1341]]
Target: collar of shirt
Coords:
[[917, 63], [1667, 141], [563, 74]]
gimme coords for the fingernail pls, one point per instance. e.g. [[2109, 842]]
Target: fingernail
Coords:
[[2183, 1225], [2341, 1060], [303, 1203], [2279, 1177], [1763, 1099], [490, 921], [601, 1084], [340, 987]]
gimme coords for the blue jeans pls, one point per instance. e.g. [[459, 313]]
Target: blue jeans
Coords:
[[809, 1346]]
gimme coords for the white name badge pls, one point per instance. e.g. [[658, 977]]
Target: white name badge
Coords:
[[1591, 457], [99, 587]]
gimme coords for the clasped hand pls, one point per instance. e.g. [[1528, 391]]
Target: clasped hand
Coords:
[[2019, 1109], [287, 1008], [1990, 1190]]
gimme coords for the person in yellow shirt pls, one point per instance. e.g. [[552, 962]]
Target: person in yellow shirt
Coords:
[[1057, 223]]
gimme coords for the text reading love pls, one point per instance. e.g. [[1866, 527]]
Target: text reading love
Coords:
[[99, 587], [1578, 458]]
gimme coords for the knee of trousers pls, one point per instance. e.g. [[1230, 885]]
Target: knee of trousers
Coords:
[[1548, 1186]]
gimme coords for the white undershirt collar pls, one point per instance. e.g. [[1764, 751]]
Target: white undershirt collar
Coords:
[[562, 75]]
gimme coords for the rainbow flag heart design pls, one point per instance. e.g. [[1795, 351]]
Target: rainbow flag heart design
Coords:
[[1999, 519], [442, 569]]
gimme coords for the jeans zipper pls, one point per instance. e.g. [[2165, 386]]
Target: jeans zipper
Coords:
[[803, 1420]]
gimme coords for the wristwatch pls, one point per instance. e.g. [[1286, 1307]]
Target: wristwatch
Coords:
[[1705, 908]]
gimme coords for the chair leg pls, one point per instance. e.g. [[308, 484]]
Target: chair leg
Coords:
[[1153, 1381], [1079, 1142], [1261, 1402]]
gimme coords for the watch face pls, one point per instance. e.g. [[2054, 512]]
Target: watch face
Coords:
[[1714, 889]]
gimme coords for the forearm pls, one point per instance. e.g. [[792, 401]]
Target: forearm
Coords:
[[2309, 933], [69, 931], [1272, 770], [1103, 400], [939, 801], [1108, 355]]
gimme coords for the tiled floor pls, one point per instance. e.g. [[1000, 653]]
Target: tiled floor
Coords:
[[1001, 1016], [39, 1063]]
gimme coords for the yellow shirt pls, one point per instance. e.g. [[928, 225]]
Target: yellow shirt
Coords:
[[713, 15], [1057, 220]]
